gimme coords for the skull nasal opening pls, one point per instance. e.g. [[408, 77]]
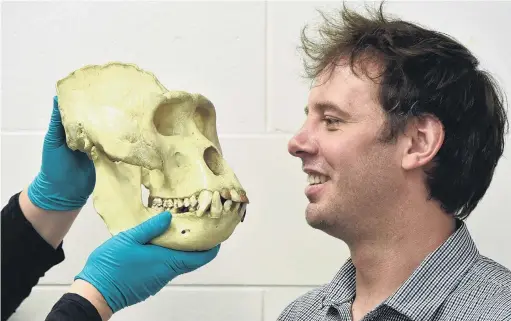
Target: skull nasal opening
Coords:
[[214, 160]]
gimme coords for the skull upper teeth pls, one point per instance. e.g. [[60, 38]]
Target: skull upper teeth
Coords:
[[213, 203], [193, 200], [235, 196], [216, 205], [225, 193], [166, 203], [316, 179]]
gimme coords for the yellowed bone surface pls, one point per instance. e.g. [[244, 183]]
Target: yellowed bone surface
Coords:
[[139, 133]]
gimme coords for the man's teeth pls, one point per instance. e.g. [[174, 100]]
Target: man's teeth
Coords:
[[213, 203], [316, 179]]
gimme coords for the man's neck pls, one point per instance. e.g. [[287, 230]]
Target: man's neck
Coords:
[[384, 262]]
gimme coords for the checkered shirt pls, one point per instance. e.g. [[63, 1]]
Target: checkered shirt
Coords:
[[454, 283]]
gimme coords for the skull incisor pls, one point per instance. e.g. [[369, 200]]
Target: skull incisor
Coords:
[[138, 133]]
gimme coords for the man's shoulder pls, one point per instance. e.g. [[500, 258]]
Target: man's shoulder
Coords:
[[490, 274], [485, 290], [304, 305]]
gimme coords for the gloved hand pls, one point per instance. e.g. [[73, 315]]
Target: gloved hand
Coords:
[[127, 271], [66, 178]]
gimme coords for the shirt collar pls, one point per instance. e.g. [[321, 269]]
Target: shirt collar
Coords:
[[429, 285], [342, 288]]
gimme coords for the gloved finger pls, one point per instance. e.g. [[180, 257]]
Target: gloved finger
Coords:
[[56, 136], [151, 228]]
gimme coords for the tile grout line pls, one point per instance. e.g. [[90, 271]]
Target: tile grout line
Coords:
[[266, 53], [266, 116], [263, 303]]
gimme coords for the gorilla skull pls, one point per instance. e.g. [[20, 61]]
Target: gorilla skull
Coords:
[[139, 133]]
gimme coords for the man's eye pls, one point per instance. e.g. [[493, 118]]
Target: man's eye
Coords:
[[331, 121]]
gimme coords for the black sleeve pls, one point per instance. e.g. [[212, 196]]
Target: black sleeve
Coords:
[[72, 307], [26, 257]]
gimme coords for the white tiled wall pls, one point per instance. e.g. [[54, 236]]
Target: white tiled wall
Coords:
[[242, 55]]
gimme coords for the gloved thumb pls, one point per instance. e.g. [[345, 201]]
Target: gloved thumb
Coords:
[[151, 228], [56, 136]]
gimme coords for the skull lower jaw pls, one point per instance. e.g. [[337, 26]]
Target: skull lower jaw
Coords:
[[197, 229], [188, 232]]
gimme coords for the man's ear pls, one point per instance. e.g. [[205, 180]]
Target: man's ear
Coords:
[[423, 138]]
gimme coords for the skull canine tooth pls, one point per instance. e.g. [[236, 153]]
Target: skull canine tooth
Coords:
[[243, 211], [216, 205], [205, 198]]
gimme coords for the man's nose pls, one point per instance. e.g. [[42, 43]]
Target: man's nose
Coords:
[[301, 143]]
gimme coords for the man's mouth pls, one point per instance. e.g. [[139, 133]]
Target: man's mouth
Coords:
[[315, 179]]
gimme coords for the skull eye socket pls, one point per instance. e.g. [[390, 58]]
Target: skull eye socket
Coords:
[[214, 160], [172, 118], [163, 119], [201, 117]]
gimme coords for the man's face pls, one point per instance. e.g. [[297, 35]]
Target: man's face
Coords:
[[352, 174]]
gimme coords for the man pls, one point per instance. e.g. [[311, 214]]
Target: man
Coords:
[[400, 143]]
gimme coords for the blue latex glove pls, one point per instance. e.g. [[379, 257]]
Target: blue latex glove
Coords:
[[66, 178], [126, 270]]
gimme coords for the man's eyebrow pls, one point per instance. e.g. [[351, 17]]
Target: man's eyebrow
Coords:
[[328, 106]]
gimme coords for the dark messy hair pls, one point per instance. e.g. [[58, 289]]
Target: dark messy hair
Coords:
[[423, 72]]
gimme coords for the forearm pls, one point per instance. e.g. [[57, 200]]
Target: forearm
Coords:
[[92, 295], [51, 225]]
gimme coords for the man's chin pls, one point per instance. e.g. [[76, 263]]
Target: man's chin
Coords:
[[316, 218]]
